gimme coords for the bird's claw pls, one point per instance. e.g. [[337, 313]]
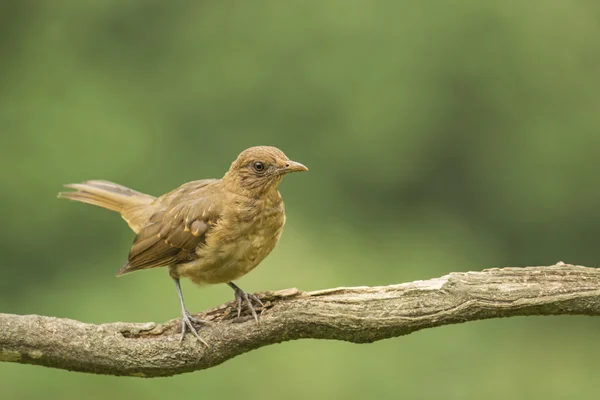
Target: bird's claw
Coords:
[[240, 296], [197, 320], [186, 324]]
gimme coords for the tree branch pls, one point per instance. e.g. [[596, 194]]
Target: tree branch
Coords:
[[358, 314]]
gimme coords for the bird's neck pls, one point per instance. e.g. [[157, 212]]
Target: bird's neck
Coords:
[[255, 205], [252, 188]]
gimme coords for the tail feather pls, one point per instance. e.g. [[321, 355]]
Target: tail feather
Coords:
[[133, 206], [124, 270]]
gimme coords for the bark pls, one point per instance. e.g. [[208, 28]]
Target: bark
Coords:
[[353, 314]]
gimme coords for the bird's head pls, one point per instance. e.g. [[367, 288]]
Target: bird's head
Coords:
[[261, 168]]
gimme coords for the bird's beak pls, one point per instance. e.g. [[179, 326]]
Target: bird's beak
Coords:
[[293, 166]]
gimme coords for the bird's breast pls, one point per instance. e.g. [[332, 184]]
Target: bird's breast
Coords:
[[238, 242]]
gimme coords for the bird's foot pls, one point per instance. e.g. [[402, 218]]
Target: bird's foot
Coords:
[[187, 324], [196, 320], [240, 296]]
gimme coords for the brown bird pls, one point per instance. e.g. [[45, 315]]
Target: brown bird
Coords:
[[210, 231]]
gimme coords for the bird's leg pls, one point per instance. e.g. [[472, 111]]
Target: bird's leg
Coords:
[[240, 295], [186, 318]]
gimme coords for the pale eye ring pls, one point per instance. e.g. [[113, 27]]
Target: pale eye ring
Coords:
[[258, 166]]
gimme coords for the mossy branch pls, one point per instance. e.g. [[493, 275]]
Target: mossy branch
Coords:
[[354, 314]]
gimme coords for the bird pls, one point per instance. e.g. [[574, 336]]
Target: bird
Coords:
[[211, 231]]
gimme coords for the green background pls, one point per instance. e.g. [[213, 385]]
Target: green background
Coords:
[[441, 136]]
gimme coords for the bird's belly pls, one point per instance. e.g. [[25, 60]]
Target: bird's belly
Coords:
[[227, 261]]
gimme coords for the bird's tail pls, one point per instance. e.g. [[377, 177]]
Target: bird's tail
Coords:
[[133, 206]]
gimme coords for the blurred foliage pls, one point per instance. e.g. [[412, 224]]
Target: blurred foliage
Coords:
[[441, 136]]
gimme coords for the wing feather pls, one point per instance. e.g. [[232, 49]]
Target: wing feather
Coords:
[[173, 233]]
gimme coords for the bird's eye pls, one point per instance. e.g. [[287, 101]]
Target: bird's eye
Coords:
[[258, 166]]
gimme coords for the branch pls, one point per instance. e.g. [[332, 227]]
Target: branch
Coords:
[[358, 315]]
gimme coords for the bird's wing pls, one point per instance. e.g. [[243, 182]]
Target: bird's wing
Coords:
[[174, 231]]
